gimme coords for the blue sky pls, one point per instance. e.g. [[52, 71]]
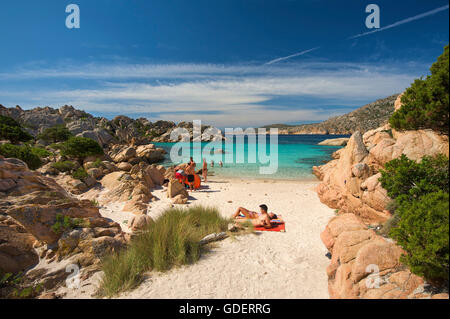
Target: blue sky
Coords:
[[203, 59]]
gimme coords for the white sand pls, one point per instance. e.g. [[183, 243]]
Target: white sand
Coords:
[[261, 265]]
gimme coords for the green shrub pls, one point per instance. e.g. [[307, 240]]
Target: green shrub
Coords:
[[423, 231], [64, 223], [171, 241], [22, 152], [58, 133], [64, 166], [13, 286], [95, 203], [141, 128], [11, 130], [80, 174], [426, 102], [81, 147], [408, 179], [41, 152]]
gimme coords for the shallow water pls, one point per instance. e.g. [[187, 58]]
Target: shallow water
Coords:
[[297, 154]]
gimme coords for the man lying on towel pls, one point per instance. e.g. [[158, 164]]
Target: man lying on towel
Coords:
[[261, 219]]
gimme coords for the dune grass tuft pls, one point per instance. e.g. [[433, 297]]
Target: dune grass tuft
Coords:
[[173, 240]]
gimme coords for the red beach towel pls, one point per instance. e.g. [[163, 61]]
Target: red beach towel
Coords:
[[278, 225]]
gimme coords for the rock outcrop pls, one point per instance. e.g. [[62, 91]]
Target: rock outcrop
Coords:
[[335, 141], [17, 251], [120, 130], [31, 205], [134, 154], [350, 181], [134, 186], [363, 263], [366, 265]]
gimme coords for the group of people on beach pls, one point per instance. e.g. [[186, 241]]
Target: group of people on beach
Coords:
[[186, 171]]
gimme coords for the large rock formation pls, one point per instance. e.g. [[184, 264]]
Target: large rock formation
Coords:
[[121, 129], [366, 265], [350, 181], [135, 154], [134, 186], [30, 206], [16, 246]]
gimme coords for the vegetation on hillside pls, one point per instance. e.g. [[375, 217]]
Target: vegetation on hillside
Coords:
[[425, 105], [80, 148], [80, 174], [421, 213], [173, 240], [11, 130], [22, 152], [423, 231], [363, 119], [65, 166], [64, 222], [41, 152], [58, 133]]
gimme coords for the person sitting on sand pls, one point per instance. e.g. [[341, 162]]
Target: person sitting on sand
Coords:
[[261, 219], [179, 171], [180, 174]]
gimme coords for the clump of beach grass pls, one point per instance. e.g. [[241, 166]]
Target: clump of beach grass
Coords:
[[173, 240]]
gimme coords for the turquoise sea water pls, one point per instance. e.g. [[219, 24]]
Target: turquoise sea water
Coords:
[[297, 154]]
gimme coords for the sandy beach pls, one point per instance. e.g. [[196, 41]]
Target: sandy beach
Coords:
[[259, 265]]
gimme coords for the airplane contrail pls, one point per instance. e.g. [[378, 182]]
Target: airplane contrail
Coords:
[[417, 17], [290, 56]]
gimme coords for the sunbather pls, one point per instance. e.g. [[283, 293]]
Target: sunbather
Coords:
[[245, 213], [261, 219]]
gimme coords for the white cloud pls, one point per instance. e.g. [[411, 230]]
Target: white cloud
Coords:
[[217, 94]]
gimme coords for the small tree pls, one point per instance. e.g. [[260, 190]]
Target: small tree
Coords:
[[423, 231], [24, 153], [426, 102], [406, 179], [421, 221], [11, 130], [58, 133], [80, 148]]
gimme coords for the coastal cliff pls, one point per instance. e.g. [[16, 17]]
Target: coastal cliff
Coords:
[[363, 119], [350, 184]]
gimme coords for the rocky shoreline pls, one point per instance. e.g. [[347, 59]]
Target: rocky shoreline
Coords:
[[350, 184]]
